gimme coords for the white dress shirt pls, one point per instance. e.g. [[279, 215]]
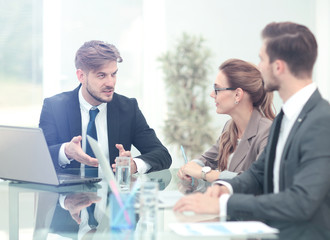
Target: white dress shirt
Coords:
[[102, 135], [291, 108]]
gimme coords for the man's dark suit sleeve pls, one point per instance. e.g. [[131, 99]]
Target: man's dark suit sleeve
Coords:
[[128, 126], [60, 121], [250, 181], [50, 132], [145, 140], [304, 178]]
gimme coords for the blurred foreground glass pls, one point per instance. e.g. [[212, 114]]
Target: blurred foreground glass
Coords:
[[148, 211], [122, 216], [123, 172]]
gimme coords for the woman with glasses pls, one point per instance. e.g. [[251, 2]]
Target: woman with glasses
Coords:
[[239, 92]]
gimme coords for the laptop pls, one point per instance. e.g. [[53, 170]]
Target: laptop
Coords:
[[24, 157]]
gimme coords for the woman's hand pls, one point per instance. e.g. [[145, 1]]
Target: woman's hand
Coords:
[[190, 169]]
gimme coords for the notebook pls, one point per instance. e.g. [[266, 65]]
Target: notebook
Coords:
[[24, 157]]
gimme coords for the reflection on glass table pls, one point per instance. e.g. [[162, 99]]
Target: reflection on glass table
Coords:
[[32, 211]]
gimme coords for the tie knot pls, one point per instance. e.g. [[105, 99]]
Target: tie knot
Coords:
[[92, 113]]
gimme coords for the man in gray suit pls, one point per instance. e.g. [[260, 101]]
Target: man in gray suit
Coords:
[[290, 182]]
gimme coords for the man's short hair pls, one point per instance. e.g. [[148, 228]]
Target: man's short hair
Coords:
[[94, 54], [293, 43]]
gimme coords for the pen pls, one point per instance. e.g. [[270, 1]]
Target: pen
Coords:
[[186, 161], [184, 155]]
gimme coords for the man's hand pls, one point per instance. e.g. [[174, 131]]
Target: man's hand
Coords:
[[77, 201], [124, 153], [198, 203], [74, 151], [217, 190]]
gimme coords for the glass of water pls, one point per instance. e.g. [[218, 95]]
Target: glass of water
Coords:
[[148, 211], [123, 172]]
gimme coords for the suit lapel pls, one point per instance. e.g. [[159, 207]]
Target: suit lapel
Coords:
[[113, 128], [304, 112], [316, 97], [244, 145], [239, 155], [74, 114]]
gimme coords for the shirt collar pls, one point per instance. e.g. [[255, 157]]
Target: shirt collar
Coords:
[[86, 106], [296, 102]]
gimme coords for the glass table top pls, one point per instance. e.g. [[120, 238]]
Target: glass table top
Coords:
[[34, 211]]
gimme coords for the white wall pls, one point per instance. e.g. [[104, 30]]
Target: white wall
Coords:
[[322, 31]]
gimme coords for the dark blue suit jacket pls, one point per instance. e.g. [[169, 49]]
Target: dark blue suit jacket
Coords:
[[60, 121]]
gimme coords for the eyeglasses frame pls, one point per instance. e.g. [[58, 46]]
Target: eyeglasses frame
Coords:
[[216, 90]]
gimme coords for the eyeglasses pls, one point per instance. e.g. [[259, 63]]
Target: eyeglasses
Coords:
[[216, 90]]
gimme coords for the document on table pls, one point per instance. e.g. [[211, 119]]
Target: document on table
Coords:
[[167, 199], [239, 228]]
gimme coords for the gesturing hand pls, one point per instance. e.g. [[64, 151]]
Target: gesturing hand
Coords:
[[74, 151], [77, 201], [124, 153]]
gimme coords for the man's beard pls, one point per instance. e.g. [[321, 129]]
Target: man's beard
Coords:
[[271, 87], [96, 97], [272, 83]]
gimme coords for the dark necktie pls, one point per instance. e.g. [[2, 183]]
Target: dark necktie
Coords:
[[91, 171], [91, 131], [92, 222], [273, 152]]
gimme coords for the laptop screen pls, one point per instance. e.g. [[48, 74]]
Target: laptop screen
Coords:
[[25, 156]]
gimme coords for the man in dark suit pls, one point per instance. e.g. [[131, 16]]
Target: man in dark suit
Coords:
[[289, 184], [119, 122]]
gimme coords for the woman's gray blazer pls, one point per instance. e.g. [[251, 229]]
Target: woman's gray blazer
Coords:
[[250, 147]]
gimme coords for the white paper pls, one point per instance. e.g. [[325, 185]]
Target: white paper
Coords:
[[239, 228], [168, 199]]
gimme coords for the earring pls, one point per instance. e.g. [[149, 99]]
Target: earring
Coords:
[[236, 102]]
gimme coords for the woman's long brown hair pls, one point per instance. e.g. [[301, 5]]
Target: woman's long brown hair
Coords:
[[244, 75]]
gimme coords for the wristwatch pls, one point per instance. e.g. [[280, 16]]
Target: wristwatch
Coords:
[[205, 170]]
